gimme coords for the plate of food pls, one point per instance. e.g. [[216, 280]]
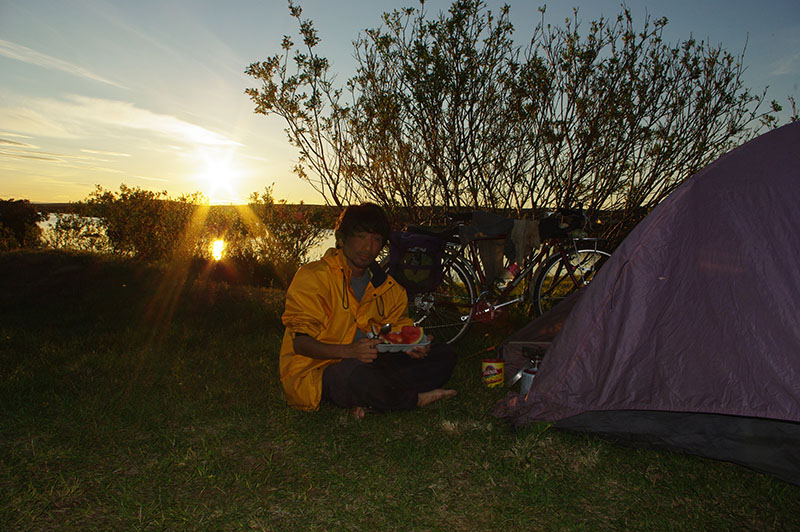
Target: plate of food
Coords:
[[406, 339], [391, 348]]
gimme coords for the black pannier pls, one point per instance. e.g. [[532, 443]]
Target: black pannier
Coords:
[[415, 260]]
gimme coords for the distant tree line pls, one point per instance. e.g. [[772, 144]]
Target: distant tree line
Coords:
[[448, 113]]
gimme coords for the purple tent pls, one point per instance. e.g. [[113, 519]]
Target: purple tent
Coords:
[[689, 337]]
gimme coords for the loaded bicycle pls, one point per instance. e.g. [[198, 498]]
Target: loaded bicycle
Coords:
[[462, 293]]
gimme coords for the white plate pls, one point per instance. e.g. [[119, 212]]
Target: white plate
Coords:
[[391, 348]]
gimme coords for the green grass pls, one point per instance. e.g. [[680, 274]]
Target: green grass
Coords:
[[135, 398]]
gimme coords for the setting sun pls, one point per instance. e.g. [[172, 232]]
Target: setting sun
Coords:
[[219, 176], [217, 247]]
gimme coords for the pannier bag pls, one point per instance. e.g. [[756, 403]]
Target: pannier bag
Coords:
[[415, 260]]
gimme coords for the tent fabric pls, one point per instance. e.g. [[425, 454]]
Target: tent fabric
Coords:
[[527, 346], [761, 444], [697, 311]]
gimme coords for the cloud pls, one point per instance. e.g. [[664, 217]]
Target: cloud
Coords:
[[33, 117], [15, 135], [25, 156], [786, 65], [148, 178], [101, 152], [17, 144], [127, 115], [80, 117], [61, 159], [258, 158], [32, 57]]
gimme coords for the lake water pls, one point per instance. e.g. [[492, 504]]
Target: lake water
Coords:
[[328, 242]]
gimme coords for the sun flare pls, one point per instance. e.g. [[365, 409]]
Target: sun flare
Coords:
[[217, 247]]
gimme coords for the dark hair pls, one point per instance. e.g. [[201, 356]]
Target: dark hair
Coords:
[[367, 217]]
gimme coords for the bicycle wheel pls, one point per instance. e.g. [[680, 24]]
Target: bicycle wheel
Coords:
[[554, 282], [446, 312]]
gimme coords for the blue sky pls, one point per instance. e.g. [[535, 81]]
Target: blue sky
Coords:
[[150, 93]]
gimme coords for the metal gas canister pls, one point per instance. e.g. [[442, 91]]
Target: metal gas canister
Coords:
[[527, 379]]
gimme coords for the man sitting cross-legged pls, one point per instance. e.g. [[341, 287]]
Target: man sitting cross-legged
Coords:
[[331, 304]]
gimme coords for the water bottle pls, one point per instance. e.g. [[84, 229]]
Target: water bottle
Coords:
[[512, 270], [507, 276]]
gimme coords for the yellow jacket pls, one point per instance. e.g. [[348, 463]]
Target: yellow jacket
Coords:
[[321, 304]]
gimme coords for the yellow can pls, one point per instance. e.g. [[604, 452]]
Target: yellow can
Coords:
[[492, 372]]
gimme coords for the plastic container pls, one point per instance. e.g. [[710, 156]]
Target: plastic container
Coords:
[[492, 372]]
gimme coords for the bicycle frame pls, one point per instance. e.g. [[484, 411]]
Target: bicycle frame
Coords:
[[485, 306]]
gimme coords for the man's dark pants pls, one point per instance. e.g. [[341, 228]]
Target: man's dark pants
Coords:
[[390, 382]]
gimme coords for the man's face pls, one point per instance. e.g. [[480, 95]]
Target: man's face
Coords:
[[360, 249]]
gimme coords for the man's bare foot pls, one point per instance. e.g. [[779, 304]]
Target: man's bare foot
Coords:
[[426, 398], [358, 412]]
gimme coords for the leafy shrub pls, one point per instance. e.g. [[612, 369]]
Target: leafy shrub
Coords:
[[287, 233], [19, 225], [146, 225]]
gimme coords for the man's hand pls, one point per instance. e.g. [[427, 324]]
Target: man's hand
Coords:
[[364, 349], [421, 351]]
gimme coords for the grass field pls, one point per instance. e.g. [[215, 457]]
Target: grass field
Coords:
[[136, 398]]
